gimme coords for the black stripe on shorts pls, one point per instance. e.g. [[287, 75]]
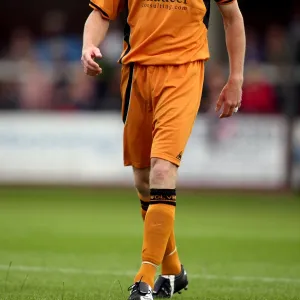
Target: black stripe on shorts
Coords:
[[128, 93]]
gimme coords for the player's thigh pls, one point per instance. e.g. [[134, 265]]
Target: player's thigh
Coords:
[[137, 119], [175, 111]]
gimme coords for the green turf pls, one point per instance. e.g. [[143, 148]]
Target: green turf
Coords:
[[69, 244]]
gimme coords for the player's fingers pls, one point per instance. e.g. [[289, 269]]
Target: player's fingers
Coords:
[[96, 53], [89, 63], [237, 106], [91, 72], [232, 110], [92, 65], [227, 110], [219, 103], [218, 106]]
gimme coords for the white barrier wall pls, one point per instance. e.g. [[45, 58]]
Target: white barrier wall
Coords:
[[244, 151], [87, 149]]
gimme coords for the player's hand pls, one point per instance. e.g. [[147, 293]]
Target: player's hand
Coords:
[[88, 57], [230, 99]]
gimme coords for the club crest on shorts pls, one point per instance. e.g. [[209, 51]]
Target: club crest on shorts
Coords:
[[179, 156]]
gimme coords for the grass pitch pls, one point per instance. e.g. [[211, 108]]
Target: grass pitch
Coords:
[[75, 244]]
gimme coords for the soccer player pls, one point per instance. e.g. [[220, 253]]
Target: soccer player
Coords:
[[165, 49]]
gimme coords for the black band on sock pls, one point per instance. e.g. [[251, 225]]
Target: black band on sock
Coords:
[[144, 205], [163, 196]]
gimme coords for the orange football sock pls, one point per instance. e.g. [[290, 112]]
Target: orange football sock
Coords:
[[159, 223], [171, 264]]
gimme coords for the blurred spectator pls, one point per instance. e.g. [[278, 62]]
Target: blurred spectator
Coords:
[[36, 87], [8, 96], [254, 51], [25, 86], [294, 42], [113, 98], [258, 94], [20, 46], [214, 82], [55, 45], [277, 49], [112, 45], [294, 33], [82, 91], [57, 49], [44, 72]]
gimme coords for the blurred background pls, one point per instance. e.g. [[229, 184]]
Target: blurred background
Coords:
[[59, 126], [70, 225]]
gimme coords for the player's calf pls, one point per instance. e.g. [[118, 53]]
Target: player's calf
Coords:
[[141, 182]]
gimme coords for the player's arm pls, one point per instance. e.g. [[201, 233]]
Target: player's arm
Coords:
[[235, 39], [233, 21], [95, 30]]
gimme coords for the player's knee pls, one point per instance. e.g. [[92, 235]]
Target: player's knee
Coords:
[[163, 173]]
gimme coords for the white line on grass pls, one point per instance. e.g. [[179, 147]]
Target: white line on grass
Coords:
[[132, 273]]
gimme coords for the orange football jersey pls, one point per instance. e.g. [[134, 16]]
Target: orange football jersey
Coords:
[[161, 32]]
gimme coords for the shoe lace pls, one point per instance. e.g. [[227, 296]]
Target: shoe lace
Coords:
[[135, 287]]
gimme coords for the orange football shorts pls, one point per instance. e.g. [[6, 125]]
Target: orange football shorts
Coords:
[[159, 107]]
